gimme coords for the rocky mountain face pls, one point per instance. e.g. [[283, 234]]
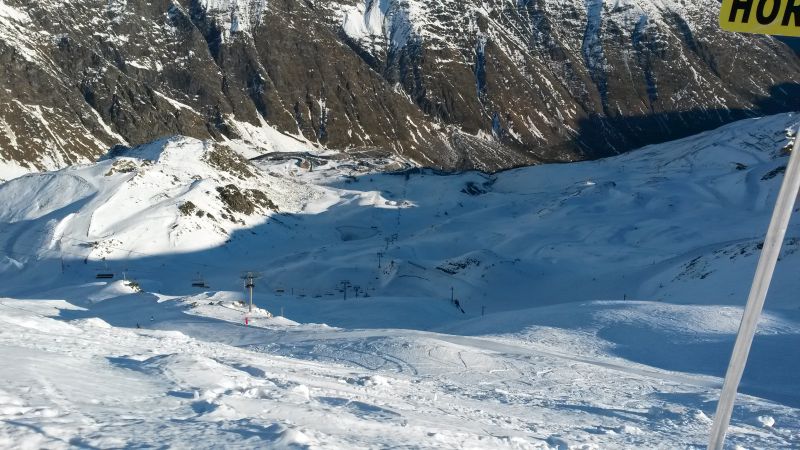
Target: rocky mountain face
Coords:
[[454, 84]]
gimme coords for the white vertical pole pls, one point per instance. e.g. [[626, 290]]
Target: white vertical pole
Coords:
[[758, 293]]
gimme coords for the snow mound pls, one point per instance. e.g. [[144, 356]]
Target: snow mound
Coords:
[[93, 322], [289, 438], [767, 421]]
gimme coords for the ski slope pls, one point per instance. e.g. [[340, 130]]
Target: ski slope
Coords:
[[597, 302]]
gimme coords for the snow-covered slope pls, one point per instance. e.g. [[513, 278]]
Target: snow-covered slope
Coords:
[[173, 195], [596, 302], [679, 222]]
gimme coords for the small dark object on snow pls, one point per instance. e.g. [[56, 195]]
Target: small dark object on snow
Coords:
[[774, 173]]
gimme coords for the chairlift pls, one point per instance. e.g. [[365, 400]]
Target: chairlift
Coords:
[[105, 273], [199, 282]]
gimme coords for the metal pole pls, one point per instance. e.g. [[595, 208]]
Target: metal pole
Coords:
[[758, 293], [251, 294]]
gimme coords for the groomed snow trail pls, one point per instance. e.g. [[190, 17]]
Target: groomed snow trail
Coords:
[[188, 380]]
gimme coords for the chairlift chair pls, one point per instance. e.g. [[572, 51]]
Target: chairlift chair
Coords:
[[105, 273], [199, 282]]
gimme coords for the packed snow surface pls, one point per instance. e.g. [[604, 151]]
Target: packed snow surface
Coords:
[[589, 305]]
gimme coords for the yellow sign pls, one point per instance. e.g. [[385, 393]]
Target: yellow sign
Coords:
[[779, 17]]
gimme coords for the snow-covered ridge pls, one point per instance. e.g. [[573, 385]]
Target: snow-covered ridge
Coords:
[[378, 22], [235, 16], [438, 24]]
